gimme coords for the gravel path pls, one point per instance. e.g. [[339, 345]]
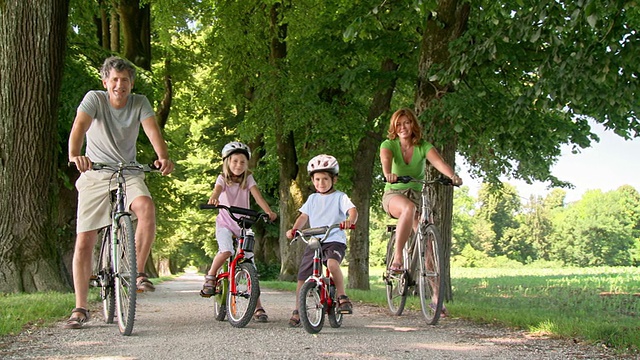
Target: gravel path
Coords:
[[176, 323]]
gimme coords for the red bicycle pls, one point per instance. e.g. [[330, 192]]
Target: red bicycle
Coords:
[[318, 293], [237, 290]]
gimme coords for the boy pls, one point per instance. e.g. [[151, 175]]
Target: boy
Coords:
[[326, 207]]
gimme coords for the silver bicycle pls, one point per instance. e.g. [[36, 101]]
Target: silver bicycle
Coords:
[[422, 261]]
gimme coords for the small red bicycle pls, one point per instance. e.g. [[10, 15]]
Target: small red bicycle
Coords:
[[318, 293], [237, 290]]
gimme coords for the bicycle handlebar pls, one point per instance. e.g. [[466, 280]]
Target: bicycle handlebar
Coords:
[[443, 180], [232, 210], [310, 232], [120, 166]]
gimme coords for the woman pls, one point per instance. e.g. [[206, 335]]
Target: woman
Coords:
[[404, 153]]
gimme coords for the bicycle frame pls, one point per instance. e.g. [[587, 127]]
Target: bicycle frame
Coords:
[[317, 288], [229, 294], [421, 258], [118, 289]]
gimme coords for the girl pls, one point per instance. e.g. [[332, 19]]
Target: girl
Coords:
[[232, 188]]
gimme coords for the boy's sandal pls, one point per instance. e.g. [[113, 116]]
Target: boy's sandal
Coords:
[[75, 321], [344, 305], [294, 321], [209, 286], [260, 315], [143, 284]]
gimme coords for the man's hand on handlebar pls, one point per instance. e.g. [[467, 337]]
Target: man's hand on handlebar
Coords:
[[83, 163], [164, 165]]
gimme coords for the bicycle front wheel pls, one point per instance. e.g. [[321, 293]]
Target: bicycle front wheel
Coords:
[[104, 276], [311, 307], [396, 283], [335, 317], [126, 272], [242, 303], [431, 279]]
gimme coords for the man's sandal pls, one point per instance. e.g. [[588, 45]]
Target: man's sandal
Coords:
[[260, 315], [143, 284], [396, 268], [209, 286], [344, 305], [295, 319], [76, 321]]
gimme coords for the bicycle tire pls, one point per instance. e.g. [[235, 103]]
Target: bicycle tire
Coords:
[[396, 283], [105, 276], [430, 277], [311, 307], [220, 299], [126, 273], [242, 303], [335, 318]]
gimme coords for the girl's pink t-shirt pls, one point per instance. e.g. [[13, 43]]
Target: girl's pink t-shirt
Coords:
[[233, 195]]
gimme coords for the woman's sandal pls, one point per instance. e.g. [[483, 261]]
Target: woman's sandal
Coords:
[[344, 305], [76, 322], [143, 284], [294, 321], [209, 286], [260, 315]]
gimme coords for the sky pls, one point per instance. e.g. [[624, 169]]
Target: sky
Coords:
[[605, 165]]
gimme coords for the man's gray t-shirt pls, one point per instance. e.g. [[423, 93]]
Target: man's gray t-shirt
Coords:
[[113, 133]]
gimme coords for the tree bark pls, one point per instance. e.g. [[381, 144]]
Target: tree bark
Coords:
[[32, 39], [358, 254], [136, 31], [448, 25]]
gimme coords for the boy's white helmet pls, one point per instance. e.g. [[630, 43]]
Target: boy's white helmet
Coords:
[[235, 147], [323, 162]]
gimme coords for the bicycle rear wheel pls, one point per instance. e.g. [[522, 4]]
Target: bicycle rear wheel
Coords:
[[396, 283], [126, 272], [430, 279], [103, 273], [311, 307], [220, 299], [242, 303]]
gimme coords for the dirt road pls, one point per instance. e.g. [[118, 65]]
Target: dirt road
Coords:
[[176, 323]]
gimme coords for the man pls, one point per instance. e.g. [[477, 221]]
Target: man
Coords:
[[111, 120]]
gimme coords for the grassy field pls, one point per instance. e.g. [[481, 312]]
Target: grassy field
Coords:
[[599, 305]]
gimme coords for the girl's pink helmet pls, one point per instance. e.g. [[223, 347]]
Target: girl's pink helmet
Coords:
[[323, 162]]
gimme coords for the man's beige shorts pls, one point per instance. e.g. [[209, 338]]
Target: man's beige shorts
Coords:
[[94, 200], [410, 194]]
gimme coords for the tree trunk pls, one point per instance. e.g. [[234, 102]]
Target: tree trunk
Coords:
[[448, 25], [289, 189], [114, 31], [136, 24], [32, 39], [366, 154]]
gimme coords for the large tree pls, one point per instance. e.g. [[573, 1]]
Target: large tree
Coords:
[[32, 39]]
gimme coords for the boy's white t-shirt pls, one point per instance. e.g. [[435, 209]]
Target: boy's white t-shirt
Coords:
[[326, 210]]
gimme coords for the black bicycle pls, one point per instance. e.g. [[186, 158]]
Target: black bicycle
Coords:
[[422, 261], [115, 270]]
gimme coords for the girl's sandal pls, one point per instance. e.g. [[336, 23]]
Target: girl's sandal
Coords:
[[260, 315], [295, 319], [209, 286]]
